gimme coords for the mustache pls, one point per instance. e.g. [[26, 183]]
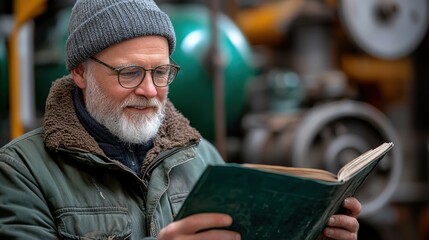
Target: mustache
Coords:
[[141, 102]]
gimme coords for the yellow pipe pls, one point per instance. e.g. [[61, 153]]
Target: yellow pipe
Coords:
[[268, 23], [17, 127], [24, 10]]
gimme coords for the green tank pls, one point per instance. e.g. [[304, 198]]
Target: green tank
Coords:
[[192, 90], [50, 55], [4, 84]]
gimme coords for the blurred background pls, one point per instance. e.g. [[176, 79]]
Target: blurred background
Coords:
[[305, 83]]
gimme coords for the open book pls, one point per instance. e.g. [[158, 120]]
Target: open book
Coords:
[[277, 202], [345, 173]]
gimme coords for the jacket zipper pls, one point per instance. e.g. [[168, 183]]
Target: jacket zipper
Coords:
[[131, 157], [159, 160], [148, 172]]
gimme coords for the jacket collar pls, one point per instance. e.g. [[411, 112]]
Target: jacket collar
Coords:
[[63, 129]]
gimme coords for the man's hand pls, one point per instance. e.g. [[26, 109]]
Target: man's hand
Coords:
[[200, 226], [344, 227]]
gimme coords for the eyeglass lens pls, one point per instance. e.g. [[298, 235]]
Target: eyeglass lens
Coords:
[[132, 76]]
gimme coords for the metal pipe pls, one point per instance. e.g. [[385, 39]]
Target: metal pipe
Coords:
[[23, 12], [218, 83], [17, 128]]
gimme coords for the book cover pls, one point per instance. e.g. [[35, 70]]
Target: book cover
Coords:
[[272, 205]]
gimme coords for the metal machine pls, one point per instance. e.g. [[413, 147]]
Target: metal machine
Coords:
[[326, 137], [388, 29], [311, 115]]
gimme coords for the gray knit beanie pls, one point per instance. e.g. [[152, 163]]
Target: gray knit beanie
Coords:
[[97, 24]]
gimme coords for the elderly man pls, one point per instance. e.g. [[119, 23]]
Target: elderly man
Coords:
[[114, 159]]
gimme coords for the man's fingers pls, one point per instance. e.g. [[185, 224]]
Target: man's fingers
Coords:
[[218, 234], [348, 223], [195, 223], [203, 221], [338, 233], [342, 227], [353, 206]]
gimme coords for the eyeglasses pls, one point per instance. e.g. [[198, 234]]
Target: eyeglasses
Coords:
[[132, 76]]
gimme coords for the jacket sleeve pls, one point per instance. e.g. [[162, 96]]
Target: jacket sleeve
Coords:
[[24, 213]]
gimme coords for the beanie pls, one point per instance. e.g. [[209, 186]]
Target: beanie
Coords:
[[97, 24]]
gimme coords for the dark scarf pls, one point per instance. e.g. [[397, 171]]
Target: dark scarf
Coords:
[[131, 155]]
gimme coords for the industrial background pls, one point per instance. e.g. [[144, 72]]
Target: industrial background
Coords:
[[306, 83]]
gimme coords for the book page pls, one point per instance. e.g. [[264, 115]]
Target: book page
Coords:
[[312, 173], [363, 160]]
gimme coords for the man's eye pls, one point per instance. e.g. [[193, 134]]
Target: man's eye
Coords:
[[162, 70], [131, 72]]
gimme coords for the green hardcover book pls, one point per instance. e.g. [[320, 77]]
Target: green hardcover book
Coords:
[[276, 202]]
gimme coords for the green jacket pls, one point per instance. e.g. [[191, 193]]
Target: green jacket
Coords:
[[56, 182]]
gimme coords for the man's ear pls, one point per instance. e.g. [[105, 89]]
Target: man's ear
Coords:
[[78, 75]]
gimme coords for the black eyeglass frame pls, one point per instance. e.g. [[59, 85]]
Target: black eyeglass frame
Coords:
[[118, 70]]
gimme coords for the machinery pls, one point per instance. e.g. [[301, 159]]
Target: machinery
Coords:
[[387, 29], [327, 137], [327, 98]]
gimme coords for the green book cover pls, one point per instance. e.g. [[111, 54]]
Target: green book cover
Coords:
[[270, 205]]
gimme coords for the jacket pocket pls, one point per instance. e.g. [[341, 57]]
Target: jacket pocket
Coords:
[[176, 202], [93, 223]]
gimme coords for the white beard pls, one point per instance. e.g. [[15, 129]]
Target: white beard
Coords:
[[133, 128]]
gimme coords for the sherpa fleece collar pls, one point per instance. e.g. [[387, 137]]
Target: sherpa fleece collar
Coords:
[[63, 129]]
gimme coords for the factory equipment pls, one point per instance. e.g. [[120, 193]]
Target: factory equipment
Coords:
[[328, 136], [385, 28], [359, 51]]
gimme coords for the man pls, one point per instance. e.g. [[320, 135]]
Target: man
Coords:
[[114, 159]]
